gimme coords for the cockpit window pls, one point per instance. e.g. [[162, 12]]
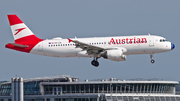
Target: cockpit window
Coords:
[[163, 40]]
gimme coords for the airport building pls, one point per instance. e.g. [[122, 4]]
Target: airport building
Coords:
[[65, 88]]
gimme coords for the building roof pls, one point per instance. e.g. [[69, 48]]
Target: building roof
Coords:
[[47, 79], [113, 82], [56, 80]]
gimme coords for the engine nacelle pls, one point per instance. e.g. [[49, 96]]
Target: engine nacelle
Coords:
[[114, 55], [82, 54]]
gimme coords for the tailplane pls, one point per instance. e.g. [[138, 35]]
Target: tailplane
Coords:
[[23, 36]]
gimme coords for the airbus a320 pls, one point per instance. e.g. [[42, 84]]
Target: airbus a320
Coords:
[[114, 48]]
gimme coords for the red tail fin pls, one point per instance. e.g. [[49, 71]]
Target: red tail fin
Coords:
[[22, 35]]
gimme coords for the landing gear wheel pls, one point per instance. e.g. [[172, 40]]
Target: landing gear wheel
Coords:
[[95, 63], [152, 61]]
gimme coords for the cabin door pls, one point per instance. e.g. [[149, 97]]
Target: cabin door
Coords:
[[151, 41]]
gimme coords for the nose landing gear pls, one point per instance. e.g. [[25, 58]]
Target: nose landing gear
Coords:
[[152, 60]]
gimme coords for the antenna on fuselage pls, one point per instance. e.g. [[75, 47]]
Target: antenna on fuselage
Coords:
[[149, 34]]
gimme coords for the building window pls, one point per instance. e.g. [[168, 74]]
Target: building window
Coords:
[[105, 88], [100, 88], [87, 88], [77, 88], [91, 88], [82, 88], [56, 99]]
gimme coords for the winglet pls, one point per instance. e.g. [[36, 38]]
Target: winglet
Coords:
[[69, 40]]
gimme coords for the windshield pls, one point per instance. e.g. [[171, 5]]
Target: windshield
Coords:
[[163, 40]]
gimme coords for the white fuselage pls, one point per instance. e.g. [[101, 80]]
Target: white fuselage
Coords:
[[145, 44]]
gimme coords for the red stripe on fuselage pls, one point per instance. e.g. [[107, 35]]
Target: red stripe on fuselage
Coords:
[[29, 41]]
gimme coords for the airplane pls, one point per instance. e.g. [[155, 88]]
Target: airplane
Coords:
[[115, 48]]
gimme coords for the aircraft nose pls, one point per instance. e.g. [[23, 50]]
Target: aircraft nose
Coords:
[[172, 46]]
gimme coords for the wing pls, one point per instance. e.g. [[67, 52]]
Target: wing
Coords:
[[91, 49]]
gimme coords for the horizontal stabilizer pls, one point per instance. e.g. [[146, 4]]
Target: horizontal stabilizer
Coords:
[[18, 45]]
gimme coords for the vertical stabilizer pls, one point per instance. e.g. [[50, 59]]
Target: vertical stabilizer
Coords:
[[20, 30], [24, 38]]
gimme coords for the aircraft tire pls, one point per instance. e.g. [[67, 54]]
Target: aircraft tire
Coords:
[[95, 63], [152, 61]]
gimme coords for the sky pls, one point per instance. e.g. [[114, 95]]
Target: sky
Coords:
[[91, 18]]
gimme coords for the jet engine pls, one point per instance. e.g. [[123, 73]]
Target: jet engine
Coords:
[[114, 55]]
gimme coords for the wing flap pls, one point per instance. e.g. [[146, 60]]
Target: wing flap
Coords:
[[89, 48]]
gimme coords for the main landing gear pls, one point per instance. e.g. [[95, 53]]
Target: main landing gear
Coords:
[[95, 62], [152, 60]]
